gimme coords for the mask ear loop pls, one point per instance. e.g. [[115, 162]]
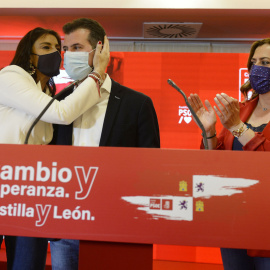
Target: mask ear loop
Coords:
[[92, 50], [89, 53]]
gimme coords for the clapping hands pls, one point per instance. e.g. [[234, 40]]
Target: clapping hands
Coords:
[[226, 108]]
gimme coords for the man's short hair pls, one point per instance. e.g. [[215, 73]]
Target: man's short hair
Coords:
[[97, 32]]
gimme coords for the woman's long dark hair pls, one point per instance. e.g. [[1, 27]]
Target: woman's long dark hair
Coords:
[[24, 50], [246, 87]]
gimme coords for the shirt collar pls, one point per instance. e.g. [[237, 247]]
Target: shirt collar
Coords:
[[107, 85]]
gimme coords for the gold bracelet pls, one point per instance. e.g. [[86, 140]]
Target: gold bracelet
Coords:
[[244, 131], [239, 132]]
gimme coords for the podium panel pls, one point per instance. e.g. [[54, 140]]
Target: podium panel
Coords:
[[131, 195], [110, 255]]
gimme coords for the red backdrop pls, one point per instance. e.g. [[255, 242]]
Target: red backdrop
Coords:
[[204, 73]]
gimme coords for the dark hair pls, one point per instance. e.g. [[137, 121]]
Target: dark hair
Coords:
[[246, 87], [24, 50], [96, 34]]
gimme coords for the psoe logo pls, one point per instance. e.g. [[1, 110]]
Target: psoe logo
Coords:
[[243, 78], [184, 114], [158, 204], [167, 204], [155, 204]]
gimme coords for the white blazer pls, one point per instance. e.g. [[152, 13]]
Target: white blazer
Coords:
[[22, 100]]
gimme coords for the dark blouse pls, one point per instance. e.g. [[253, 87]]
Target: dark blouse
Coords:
[[237, 145]]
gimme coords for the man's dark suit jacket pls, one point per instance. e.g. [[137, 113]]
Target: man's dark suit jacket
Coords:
[[130, 121]]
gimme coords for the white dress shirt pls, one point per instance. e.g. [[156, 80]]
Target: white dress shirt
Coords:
[[88, 127], [22, 100]]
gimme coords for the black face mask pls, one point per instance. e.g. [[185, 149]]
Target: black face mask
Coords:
[[49, 64]]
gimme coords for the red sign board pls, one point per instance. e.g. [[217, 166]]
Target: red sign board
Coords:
[[161, 196]]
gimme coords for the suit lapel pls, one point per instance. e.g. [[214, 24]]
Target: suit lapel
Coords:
[[63, 133], [111, 112]]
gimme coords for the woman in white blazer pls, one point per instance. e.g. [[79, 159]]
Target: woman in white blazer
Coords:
[[26, 87]]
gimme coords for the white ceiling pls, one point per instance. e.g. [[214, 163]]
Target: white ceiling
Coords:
[[239, 25]]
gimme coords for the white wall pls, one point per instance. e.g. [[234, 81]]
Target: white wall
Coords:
[[116, 46], [168, 4]]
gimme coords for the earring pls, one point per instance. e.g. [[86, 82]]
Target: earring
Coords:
[[32, 69]]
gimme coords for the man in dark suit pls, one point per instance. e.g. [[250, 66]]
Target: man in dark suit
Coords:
[[122, 117]]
